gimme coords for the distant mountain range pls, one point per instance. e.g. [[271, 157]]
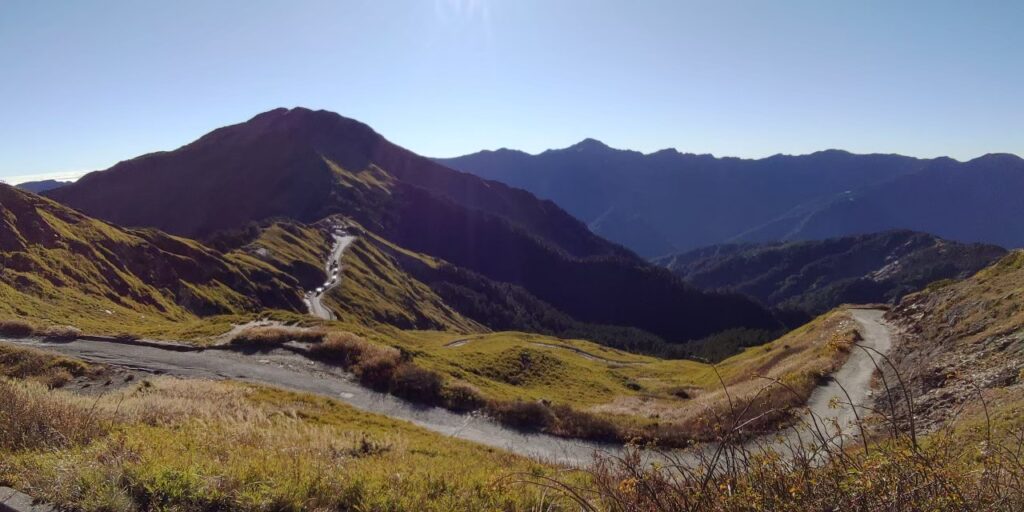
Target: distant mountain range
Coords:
[[666, 202], [41, 186], [304, 165], [814, 276]]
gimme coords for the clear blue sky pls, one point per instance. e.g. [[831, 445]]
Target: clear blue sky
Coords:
[[87, 83]]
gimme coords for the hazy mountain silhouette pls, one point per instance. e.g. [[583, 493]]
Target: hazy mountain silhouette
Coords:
[[42, 185], [667, 201]]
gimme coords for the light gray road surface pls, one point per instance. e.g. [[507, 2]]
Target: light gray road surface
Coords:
[[332, 267]]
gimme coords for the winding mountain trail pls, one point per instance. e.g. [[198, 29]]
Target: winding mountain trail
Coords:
[[332, 266], [833, 410], [293, 372]]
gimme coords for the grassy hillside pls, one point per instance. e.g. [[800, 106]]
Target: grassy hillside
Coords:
[[375, 291], [59, 266], [173, 444], [675, 397]]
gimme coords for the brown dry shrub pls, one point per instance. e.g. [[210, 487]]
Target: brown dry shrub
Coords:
[[342, 348], [53, 370], [523, 415], [416, 384], [267, 338], [462, 397], [60, 333], [376, 368], [16, 328], [585, 425]]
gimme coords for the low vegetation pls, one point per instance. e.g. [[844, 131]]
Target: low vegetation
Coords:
[[183, 444], [646, 397], [270, 337], [973, 462], [43, 367], [169, 444], [576, 388], [375, 291]]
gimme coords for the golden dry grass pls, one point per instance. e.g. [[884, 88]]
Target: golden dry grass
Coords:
[[44, 367], [173, 444]]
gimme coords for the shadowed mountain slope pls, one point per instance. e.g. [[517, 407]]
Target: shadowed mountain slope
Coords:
[[815, 276]]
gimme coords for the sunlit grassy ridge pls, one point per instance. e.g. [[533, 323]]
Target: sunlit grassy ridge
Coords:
[[59, 266], [296, 249], [375, 291]]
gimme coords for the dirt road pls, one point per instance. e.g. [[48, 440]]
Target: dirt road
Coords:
[[291, 371], [314, 299]]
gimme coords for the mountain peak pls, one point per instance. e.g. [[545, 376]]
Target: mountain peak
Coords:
[[996, 159], [589, 144]]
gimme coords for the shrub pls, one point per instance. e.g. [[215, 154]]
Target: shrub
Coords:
[[267, 338], [416, 384], [461, 397], [342, 348], [16, 328], [376, 368], [52, 370], [573, 423], [680, 393], [61, 333], [523, 415]]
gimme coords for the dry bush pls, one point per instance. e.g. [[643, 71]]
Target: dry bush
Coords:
[[376, 368], [521, 414], [60, 333], [16, 328], [53, 370], [267, 338], [343, 348], [570, 422], [33, 418], [374, 365], [462, 397], [416, 384]]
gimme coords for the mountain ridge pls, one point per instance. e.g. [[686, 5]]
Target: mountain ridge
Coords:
[[684, 201]]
